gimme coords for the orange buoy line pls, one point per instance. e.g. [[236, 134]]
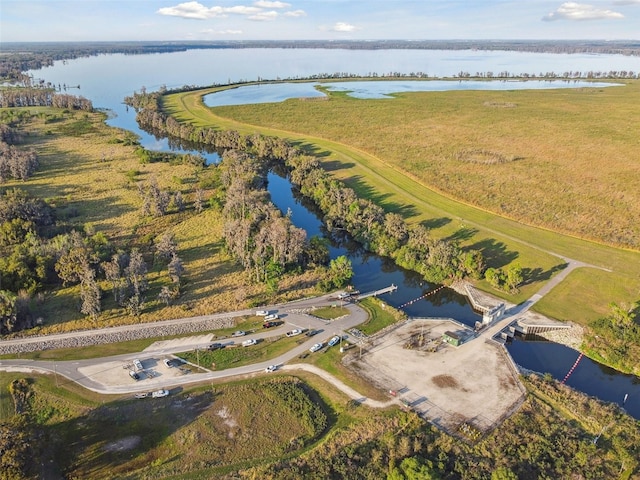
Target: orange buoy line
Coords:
[[572, 368], [422, 297]]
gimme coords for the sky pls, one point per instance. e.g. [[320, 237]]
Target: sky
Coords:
[[157, 20]]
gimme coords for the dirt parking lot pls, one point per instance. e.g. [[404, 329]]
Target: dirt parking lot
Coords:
[[450, 386]]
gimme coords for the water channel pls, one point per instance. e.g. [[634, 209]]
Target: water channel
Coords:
[[107, 79]]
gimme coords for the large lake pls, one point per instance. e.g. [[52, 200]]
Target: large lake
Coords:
[[107, 79]]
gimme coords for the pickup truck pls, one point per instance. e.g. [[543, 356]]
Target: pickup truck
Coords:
[[160, 393], [294, 332]]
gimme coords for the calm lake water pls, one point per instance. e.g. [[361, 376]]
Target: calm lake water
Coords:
[[107, 79], [379, 89]]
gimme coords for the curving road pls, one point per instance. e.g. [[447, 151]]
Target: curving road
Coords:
[[76, 370]]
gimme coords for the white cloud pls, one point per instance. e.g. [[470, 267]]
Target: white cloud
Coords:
[[580, 11], [264, 16], [197, 11], [343, 27], [295, 13], [242, 10], [268, 4], [626, 2]]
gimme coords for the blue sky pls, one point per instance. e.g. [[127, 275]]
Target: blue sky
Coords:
[[84, 20]]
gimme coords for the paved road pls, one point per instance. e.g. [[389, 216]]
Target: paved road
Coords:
[[72, 370]]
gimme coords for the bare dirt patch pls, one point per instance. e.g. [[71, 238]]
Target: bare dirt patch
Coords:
[[445, 381], [126, 443], [471, 384]]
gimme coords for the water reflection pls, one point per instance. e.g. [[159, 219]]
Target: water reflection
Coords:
[[372, 272]]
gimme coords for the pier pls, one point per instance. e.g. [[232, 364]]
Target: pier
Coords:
[[375, 293]]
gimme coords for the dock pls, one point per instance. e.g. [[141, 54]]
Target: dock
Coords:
[[375, 293]]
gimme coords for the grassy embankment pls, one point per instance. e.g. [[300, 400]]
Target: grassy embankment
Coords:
[[91, 175], [556, 160]]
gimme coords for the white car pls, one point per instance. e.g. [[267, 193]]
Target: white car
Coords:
[[273, 316], [248, 343], [167, 363], [333, 341], [271, 368], [294, 332], [262, 313], [316, 347], [160, 393], [138, 365], [239, 333], [141, 395]]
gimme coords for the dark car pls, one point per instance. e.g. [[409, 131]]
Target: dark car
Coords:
[[215, 346], [269, 324], [312, 332]]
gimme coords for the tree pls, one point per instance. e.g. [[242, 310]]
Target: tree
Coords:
[[166, 247], [134, 305], [113, 273], [73, 260], [340, 271], [176, 269], [412, 469], [136, 273], [514, 277], [503, 473], [8, 316], [90, 295], [165, 295]]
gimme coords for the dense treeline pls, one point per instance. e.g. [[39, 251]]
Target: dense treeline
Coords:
[[39, 97], [615, 339], [385, 233], [14, 162]]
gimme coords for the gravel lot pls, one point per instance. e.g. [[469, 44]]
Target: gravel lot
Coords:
[[450, 386]]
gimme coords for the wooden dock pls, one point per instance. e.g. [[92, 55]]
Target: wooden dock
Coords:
[[375, 293]]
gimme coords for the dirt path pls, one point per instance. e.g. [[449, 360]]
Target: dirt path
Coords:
[[354, 395]]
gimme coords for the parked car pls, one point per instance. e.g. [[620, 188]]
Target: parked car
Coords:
[[134, 375], [138, 365], [316, 347], [294, 332], [312, 332], [262, 313], [269, 324], [248, 343], [239, 333], [141, 395], [271, 317], [333, 341], [215, 346], [167, 363], [343, 295], [271, 368], [160, 393]]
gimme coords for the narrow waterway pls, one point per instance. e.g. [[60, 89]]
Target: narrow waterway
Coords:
[[372, 272]]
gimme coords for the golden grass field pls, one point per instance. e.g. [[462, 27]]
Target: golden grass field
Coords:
[[90, 173], [503, 171]]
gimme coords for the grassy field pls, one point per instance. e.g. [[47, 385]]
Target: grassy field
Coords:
[[271, 427], [89, 173], [403, 154]]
